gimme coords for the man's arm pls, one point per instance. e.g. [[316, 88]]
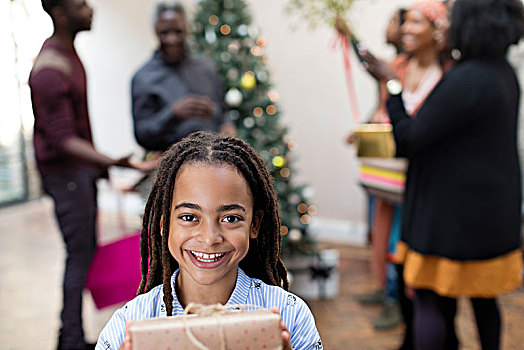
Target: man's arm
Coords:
[[153, 123], [50, 93]]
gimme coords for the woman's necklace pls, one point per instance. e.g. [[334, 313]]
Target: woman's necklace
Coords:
[[416, 75]]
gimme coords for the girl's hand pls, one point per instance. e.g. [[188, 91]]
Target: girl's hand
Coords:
[[127, 345], [285, 333]]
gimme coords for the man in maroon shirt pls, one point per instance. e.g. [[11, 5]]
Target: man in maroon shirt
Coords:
[[66, 158]]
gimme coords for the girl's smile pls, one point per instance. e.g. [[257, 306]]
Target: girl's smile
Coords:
[[207, 260]]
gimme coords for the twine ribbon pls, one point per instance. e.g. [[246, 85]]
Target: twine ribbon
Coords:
[[342, 42], [214, 310]]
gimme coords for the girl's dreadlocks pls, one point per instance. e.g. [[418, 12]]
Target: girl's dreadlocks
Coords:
[[263, 258]]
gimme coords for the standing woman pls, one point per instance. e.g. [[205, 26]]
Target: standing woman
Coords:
[[462, 210]]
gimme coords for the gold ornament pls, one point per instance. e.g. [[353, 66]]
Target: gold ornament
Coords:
[[248, 81], [279, 161]]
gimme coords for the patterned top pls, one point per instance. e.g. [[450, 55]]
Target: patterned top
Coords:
[[294, 312]]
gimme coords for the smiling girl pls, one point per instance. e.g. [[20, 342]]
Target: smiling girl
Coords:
[[211, 234]]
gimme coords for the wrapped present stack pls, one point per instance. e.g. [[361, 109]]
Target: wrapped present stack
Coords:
[[384, 178], [381, 175], [212, 327]]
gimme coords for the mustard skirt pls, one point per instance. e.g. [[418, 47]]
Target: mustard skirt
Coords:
[[451, 278]]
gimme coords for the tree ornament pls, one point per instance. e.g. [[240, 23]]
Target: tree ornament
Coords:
[[234, 97], [243, 30], [279, 161], [233, 114], [249, 122], [225, 57], [294, 235], [211, 36], [308, 192], [232, 73], [262, 75], [248, 81]]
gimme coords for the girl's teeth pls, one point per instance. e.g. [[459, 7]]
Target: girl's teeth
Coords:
[[204, 257]]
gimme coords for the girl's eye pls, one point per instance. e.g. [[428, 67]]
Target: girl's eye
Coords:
[[232, 219], [187, 217]]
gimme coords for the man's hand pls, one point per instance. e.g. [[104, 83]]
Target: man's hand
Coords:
[[193, 106], [145, 166]]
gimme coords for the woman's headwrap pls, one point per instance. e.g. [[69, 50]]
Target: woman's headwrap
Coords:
[[433, 10]]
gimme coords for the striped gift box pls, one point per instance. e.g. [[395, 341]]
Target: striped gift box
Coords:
[[385, 174]]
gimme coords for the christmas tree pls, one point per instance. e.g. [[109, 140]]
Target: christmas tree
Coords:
[[224, 33]]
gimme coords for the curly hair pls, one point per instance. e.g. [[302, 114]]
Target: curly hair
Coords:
[[263, 259], [485, 28]]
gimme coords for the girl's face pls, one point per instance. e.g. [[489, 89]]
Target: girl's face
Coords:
[[212, 221], [417, 32]]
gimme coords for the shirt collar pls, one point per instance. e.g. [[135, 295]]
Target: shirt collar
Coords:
[[239, 295]]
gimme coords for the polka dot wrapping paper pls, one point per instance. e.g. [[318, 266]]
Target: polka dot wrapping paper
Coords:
[[234, 330]]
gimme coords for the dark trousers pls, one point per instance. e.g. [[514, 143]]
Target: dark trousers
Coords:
[[74, 196], [406, 308], [435, 321]]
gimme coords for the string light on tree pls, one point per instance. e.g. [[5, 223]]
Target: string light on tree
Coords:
[[256, 51], [225, 29], [261, 41], [258, 112], [302, 208], [292, 145], [312, 210], [305, 219], [273, 96], [213, 20], [285, 172], [271, 110]]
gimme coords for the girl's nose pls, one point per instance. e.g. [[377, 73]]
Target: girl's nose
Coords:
[[210, 234]]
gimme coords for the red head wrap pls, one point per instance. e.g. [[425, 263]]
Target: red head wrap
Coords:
[[433, 10]]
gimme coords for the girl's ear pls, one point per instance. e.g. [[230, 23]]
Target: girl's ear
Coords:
[[255, 224]]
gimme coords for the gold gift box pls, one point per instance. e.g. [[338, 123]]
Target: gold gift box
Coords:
[[232, 330], [375, 140]]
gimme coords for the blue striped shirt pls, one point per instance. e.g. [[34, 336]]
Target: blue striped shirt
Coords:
[[294, 312]]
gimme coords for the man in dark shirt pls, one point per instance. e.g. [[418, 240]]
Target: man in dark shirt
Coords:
[[175, 93], [68, 163]]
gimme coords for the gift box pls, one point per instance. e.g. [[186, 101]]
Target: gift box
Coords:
[[219, 329], [384, 178], [375, 140]]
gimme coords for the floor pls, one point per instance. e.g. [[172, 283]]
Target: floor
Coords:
[[31, 255]]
